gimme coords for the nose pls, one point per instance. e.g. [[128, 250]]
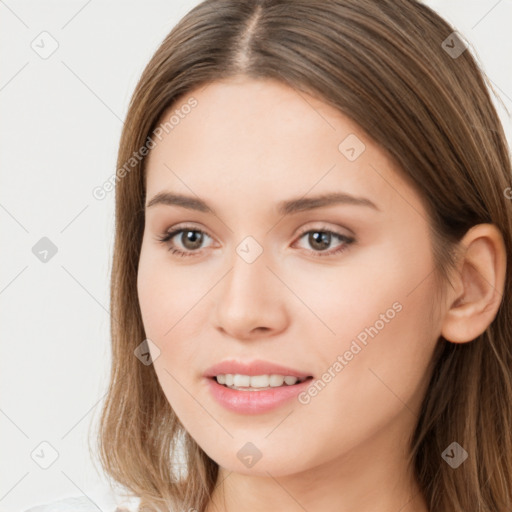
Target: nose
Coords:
[[251, 301]]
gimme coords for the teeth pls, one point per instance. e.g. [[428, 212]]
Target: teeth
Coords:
[[256, 381]]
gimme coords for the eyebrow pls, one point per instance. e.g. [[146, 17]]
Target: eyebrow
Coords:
[[284, 207]]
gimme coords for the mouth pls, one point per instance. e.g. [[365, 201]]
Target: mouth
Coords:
[[256, 383], [241, 394]]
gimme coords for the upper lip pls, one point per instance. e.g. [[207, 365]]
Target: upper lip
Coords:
[[255, 367]]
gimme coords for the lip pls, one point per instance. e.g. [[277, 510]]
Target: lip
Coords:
[[254, 402], [255, 367]]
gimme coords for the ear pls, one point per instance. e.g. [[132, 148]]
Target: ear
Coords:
[[478, 284]]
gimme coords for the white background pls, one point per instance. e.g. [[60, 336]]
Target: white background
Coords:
[[61, 119]]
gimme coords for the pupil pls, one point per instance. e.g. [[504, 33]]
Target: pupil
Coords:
[[322, 241], [192, 236]]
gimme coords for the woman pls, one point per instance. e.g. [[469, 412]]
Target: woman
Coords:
[[309, 292]]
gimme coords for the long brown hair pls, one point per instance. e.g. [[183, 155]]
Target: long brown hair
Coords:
[[383, 64]]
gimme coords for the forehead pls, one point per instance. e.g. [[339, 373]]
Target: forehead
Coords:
[[261, 140]]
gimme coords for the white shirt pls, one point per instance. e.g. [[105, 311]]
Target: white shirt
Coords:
[[84, 504]]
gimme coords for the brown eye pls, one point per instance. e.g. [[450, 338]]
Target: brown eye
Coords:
[[319, 239], [184, 241], [191, 239]]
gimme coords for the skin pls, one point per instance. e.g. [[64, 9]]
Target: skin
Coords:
[[247, 146]]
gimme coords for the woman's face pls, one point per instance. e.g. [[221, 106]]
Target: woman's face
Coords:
[[341, 291]]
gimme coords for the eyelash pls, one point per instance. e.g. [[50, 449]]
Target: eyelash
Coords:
[[169, 235]]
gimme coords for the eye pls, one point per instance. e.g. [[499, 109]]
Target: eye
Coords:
[[319, 239], [191, 240]]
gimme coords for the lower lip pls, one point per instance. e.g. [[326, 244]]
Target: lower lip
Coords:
[[254, 402]]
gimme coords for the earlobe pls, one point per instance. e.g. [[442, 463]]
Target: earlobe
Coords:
[[475, 298]]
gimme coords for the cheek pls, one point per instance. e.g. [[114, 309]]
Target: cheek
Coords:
[[385, 339], [166, 293], [365, 386], [172, 303], [165, 299], [336, 303]]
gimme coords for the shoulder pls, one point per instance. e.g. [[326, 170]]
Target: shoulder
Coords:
[[83, 504]]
